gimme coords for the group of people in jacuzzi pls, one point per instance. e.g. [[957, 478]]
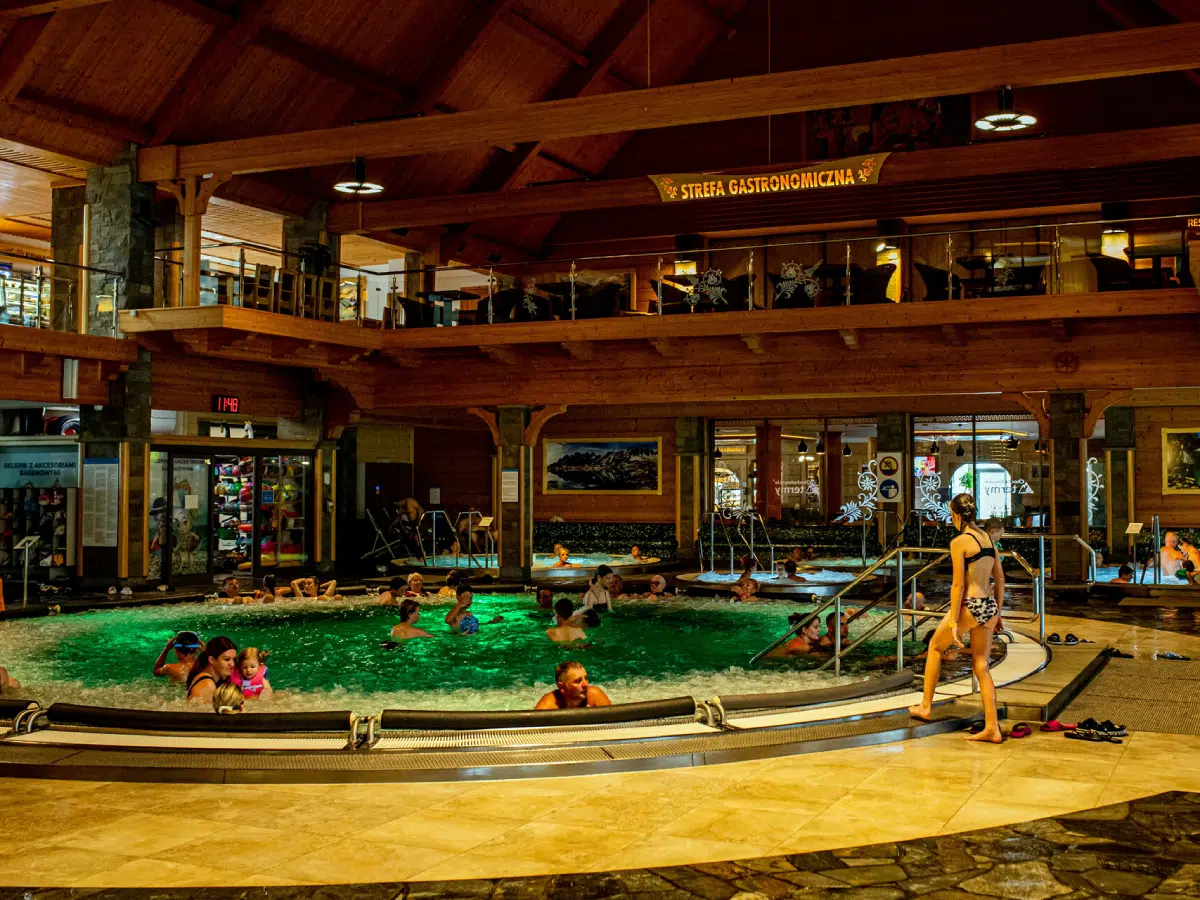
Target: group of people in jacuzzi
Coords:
[[307, 588], [215, 672]]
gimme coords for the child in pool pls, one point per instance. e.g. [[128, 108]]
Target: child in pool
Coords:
[[186, 645], [8, 684], [268, 593], [228, 699], [564, 559], [746, 586], [250, 674], [410, 614], [460, 618]]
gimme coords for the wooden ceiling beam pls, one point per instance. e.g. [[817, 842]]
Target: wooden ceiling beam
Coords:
[[990, 157], [1056, 61], [457, 52], [1119, 13], [22, 8], [21, 54], [211, 63], [210, 15], [522, 21], [323, 63], [716, 17], [64, 112]]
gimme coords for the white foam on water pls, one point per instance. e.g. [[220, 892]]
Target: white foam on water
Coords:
[[821, 576]]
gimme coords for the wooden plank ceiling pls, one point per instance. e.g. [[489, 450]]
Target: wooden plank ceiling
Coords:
[[80, 78]]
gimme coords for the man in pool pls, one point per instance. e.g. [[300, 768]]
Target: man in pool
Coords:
[[186, 645], [789, 571], [565, 631], [1124, 576], [573, 691], [230, 589], [827, 639]]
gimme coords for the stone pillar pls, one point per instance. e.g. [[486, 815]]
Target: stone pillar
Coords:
[[894, 435], [689, 483], [121, 430], [1119, 436], [768, 452], [66, 244], [302, 236], [1068, 478], [516, 517], [120, 239]]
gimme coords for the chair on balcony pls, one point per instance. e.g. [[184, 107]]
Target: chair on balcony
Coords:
[[870, 285], [938, 282], [1022, 281], [675, 300], [501, 303], [416, 313], [1118, 275], [531, 307], [793, 293], [602, 301]]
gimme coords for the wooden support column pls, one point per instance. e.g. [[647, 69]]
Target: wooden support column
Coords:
[[689, 485], [768, 447], [1119, 492], [193, 194]]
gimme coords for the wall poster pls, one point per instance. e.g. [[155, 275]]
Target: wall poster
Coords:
[[1181, 460], [602, 466], [101, 502]]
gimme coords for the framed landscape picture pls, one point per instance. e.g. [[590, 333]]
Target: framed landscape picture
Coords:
[[1181, 460], [602, 466]]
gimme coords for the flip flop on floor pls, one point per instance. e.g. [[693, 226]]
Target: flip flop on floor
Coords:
[[1119, 654], [1167, 654], [1108, 727], [1092, 737], [1054, 639], [1055, 725], [1020, 730], [1070, 640], [976, 728]]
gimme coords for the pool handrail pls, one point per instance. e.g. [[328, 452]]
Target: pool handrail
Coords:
[[77, 715], [814, 696], [16, 710], [485, 720]]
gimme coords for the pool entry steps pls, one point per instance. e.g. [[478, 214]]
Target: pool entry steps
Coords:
[[70, 741]]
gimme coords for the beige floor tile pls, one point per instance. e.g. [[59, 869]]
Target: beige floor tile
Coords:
[[812, 774], [826, 832], [523, 805], [338, 818], [261, 880], [1120, 793], [439, 830], [470, 865], [146, 798], [142, 872], [1065, 769], [882, 803], [228, 803], [976, 813], [779, 796], [1040, 791], [663, 850], [68, 815], [909, 781], [55, 866], [734, 825], [618, 809], [356, 861], [139, 835], [561, 845], [258, 846]]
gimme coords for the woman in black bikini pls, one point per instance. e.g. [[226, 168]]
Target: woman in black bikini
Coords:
[[213, 665], [975, 601]]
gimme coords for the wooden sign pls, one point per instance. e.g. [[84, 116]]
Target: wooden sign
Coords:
[[837, 173]]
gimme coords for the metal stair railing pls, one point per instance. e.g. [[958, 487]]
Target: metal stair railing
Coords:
[[712, 516], [898, 615], [839, 651]]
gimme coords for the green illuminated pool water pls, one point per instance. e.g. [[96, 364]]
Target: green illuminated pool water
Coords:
[[329, 655]]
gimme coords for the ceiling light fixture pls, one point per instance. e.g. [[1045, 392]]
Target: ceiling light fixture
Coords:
[[934, 449], [1013, 443], [359, 185], [802, 447], [959, 451], [717, 453], [846, 451], [820, 448], [1005, 118], [885, 244]]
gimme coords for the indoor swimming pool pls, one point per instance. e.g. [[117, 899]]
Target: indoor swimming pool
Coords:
[[335, 655]]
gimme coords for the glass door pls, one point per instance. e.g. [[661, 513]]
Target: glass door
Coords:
[[233, 513], [189, 518], [283, 511]]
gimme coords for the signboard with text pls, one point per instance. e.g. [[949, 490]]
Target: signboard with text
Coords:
[[39, 466], [851, 172]]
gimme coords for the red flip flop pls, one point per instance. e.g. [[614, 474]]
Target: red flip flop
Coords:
[[1055, 725], [1020, 730]]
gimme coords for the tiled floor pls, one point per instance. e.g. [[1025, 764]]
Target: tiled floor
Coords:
[[88, 834]]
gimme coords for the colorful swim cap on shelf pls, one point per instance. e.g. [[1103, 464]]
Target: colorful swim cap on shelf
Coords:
[[468, 624], [289, 492]]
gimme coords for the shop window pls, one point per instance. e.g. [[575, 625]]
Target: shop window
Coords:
[[994, 491]]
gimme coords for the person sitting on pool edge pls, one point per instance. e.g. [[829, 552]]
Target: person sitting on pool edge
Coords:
[[789, 571], [565, 631], [213, 665], [410, 614], [804, 641], [573, 691], [310, 589], [597, 595], [186, 645], [564, 558], [1124, 576]]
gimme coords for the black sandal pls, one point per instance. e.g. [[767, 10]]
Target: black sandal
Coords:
[[1054, 639]]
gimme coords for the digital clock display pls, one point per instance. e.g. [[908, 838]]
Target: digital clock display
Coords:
[[225, 403]]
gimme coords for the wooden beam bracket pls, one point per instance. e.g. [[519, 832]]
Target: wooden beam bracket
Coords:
[[537, 419], [1036, 408], [489, 419], [583, 351], [501, 355], [1098, 403], [850, 337]]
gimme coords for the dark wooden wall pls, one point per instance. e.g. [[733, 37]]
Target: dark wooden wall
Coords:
[[1173, 510], [458, 462]]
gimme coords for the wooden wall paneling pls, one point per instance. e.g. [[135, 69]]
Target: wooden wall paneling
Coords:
[[1173, 510], [641, 508], [460, 463], [186, 383]]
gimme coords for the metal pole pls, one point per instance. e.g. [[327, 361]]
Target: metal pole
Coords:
[[434, 547], [38, 308], [847, 279], [242, 280], [1157, 553], [837, 637], [1040, 589], [753, 558], [21, 299], [712, 541], [660, 305], [491, 301], [914, 606], [750, 282], [115, 284], [572, 289], [899, 610], [864, 542]]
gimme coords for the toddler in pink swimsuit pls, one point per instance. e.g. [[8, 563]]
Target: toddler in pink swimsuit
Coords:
[[250, 673]]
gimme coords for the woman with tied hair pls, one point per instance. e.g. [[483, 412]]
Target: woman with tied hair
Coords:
[[976, 597], [212, 667]]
